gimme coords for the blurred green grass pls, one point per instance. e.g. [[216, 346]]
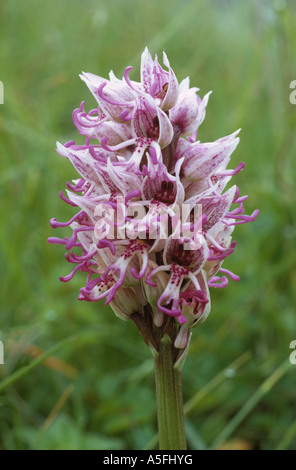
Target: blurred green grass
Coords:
[[245, 53]]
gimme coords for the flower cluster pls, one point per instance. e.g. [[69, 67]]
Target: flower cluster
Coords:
[[141, 152]]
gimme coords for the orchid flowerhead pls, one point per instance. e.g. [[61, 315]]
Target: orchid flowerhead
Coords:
[[140, 167]]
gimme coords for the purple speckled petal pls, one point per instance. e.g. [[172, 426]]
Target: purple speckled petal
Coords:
[[146, 70], [202, 160], [189, 111]]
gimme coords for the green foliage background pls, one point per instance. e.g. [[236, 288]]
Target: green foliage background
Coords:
[[245, 52]]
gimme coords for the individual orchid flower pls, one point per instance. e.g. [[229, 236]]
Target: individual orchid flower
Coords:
[[189, 111], [162, 85], [136, 233]]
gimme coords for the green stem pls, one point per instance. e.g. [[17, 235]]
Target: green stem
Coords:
[[169, 398]]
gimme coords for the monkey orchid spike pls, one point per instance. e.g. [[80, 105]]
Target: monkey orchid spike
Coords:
[[154, 220]]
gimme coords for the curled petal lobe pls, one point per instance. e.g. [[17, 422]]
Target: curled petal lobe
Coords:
[[112, 97]]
